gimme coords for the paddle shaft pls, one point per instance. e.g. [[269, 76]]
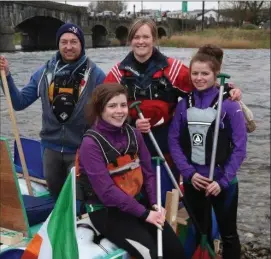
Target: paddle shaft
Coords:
[[159, 204], [16, 132], [217, 122]]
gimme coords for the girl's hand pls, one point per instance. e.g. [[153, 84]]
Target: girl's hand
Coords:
[[213, 189], [163, 210], [235, 93], [200, 182], [156, 218], [143, 125]]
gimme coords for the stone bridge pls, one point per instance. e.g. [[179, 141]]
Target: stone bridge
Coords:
[[38, 22]]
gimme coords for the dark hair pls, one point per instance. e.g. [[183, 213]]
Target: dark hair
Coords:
[[211, 60], [212, 50], [100, 96], [140, 22]]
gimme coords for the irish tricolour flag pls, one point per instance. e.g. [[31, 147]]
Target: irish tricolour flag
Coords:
[[57, 237]]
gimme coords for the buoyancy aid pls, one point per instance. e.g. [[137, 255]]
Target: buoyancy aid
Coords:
[[154, 87], [64, 92], [197, 138], [124, 168]]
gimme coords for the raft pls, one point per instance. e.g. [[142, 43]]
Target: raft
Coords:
[[24, 214]]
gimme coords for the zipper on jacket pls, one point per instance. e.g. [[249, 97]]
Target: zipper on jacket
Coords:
[[62, 137]]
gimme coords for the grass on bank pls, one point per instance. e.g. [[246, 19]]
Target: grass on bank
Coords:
[[233, 38]]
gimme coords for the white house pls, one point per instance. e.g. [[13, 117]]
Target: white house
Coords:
[[212, 16]]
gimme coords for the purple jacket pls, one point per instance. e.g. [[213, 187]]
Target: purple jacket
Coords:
[[92, 162], [231, 117]]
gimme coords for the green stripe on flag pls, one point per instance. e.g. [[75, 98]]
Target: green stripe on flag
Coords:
[[61, 226]]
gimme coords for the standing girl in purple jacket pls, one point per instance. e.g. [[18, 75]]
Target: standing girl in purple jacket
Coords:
[[116, 164], [190, 143]]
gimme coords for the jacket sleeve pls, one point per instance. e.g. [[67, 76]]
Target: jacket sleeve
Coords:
[[148, 173], [239, 140], [174, 135], [114, 75], [21, 99], [100, 76], [91, 158], [182, 81]]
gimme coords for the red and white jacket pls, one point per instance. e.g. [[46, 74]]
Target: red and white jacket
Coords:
[[163, 82]]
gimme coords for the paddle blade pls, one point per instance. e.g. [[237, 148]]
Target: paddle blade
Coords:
[[201, 253]]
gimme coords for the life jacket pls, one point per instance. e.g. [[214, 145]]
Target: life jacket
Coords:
[[64, 92], [156, 88], [124, 168], [197, 138]]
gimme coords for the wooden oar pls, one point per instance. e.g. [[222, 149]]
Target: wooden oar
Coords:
[[16, 132]]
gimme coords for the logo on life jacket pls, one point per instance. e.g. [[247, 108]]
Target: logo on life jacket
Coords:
[[124, 168], [197, 139]]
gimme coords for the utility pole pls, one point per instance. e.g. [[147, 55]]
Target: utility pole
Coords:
[[134, 11], [202, 19], [218, 12], [141, 7]]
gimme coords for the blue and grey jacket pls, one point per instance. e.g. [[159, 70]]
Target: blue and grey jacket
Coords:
[[54, 135]]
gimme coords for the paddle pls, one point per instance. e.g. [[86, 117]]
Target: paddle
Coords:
[[16, 132], [159, 204], [170, 174], [202, 250]]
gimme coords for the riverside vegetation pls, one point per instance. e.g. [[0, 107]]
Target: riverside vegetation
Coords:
[[230, 38]]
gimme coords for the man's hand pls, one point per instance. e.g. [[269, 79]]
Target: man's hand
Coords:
[[200, 182], [4, 65], [213, 189], [143, 125]]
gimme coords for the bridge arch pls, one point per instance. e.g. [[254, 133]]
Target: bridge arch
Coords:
[[162, 32], [99, 36], [38, 32], [122, 34]]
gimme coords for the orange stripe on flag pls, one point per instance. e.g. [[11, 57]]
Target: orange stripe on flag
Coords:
[[33, 248]]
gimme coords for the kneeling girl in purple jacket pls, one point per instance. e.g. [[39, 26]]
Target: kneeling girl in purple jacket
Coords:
[[122, 185], [190, 143]]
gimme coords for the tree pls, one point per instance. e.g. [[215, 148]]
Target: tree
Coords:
[[235, 10], [100, 6], [254, 11], [250, 11]]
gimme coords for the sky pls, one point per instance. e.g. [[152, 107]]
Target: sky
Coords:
[[161, 5]]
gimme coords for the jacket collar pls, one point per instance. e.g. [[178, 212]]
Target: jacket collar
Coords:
[[212, 91], [158, 59], [103, 126]]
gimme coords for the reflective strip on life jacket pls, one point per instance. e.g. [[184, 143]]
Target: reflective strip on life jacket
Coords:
[[116, 72], [130, 166]]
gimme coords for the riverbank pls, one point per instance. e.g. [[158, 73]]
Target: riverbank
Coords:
[[231, 38]]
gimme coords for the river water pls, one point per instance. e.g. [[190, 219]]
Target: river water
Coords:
[[250, 71]]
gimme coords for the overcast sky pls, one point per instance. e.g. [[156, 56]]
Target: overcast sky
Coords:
[[163, 5]]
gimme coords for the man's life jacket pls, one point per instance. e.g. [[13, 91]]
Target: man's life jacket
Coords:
[[124, 168], [64, 92], [197, 138]]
